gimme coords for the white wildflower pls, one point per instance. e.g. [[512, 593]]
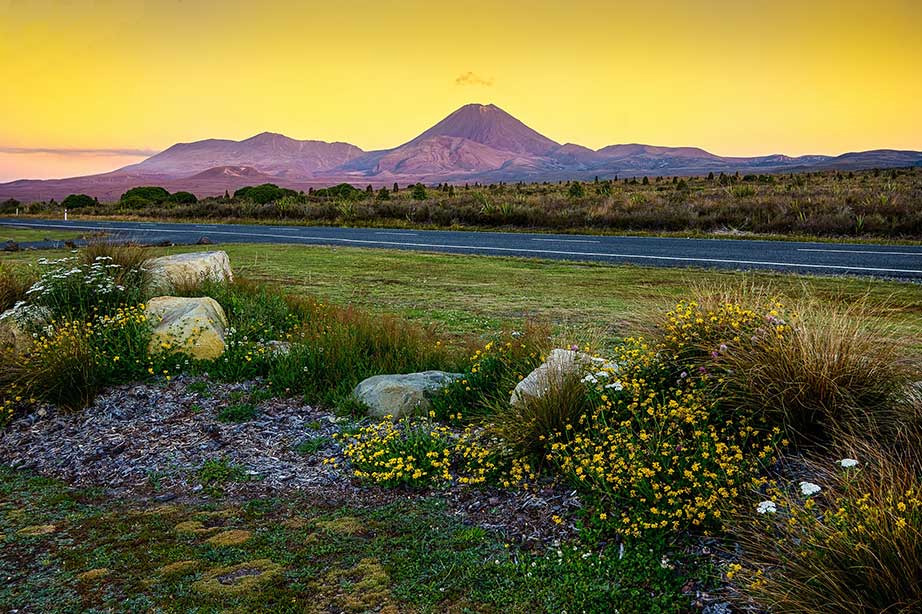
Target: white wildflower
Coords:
[[848, 462], [767, 507], [809, 488]]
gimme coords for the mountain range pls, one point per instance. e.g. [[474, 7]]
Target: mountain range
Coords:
[[476, 143]]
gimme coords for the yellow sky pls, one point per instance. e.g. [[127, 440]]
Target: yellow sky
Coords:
[[737, 77]]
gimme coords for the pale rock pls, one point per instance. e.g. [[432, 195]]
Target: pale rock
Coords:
[[182, 270], [193, 325], [17, 324], [401, 395], [559, 364]]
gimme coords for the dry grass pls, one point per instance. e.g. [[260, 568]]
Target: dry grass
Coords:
[[129, 257], [13, 286]]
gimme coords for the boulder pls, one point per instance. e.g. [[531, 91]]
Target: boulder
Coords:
[[17, 325], [169, 272], [401, 395], [193, 325], [558, 364]]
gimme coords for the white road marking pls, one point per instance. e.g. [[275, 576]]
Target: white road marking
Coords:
[[399, 234], [516, 250], [567, 240], [858, 251]]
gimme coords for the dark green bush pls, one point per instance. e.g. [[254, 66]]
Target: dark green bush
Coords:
[[153, 194], [78, 201], [182, 198], [264, 193]]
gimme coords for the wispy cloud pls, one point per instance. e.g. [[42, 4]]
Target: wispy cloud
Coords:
[[471, 78], [77, 152]]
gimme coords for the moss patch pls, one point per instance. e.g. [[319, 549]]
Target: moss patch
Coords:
[[365, 587], [178, 568], [238, 579], [234, 537], [36, 530], [347, 525], [193, 527], [94, 574]]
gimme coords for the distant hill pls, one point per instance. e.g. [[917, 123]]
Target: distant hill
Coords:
[[475, 143]]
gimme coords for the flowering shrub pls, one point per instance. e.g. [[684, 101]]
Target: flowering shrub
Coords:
[[693, 331], [418, 452], [69, 360], [655, 454], [852, 542], [71, 289]]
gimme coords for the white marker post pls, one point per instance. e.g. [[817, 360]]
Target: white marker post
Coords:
[[65, 215]]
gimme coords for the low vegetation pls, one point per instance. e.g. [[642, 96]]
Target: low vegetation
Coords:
[[873, 204], [758, 445]]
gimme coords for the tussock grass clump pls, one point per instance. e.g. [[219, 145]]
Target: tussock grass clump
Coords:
[[334, 348], [816, 369], [13, 286], [129, 257], [530, 425], [853, 546]]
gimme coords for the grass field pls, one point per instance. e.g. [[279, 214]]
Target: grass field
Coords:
[[480, 294]]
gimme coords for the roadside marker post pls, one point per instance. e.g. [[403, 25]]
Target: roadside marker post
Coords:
[[65, 215]]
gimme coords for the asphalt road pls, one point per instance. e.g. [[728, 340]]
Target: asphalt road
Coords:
[[890, 261]]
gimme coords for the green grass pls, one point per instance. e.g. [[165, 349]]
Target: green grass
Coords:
[[410, 555], [238, 412], [25, 235]]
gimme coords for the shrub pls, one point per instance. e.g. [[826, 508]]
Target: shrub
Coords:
[[853, 546], [656, 454], [78, 201], [73, 290], [343, 190], [69, 364], [529, 426], [182, 198], [264, 193], [152, 194], [405, 452], [419, 453], [418, 192]]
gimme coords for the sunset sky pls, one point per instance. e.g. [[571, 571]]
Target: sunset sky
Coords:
[[92, 85]]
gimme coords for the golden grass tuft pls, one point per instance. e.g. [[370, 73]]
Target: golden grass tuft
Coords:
[[347, 525], [178, 568]]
